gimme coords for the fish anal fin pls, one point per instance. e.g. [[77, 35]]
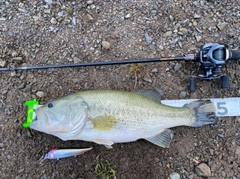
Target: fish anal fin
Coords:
[[107, 142], [155, 94], [163, 139]]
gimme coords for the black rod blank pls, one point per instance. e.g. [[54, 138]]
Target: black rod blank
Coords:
[[146, 60]]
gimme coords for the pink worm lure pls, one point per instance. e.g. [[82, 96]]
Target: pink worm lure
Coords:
[[63, 153]]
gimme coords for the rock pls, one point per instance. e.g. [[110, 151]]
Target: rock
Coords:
[[2, 63], [17, 58], [148, 38], [40, 94], [222, 25], [203, 170], [76, 60], [27, 88], [183, 94], [21, 5], [238, 119], [179, 44], [177, 67], [198, 38], [92, 6], [14, 54], [154, 70], [89, 2], [147, 79], [105, 45], [74, 21], [21, 86], [49, 2], [168, 34], [127, 16], [60, 14], [13, 74], [47, 11], [183, 30], [1, 145], [174, 175], [89, 17], [53, 21], [196, 16], [237, 152]]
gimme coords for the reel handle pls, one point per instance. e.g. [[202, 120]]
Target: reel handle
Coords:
[[234, 54]]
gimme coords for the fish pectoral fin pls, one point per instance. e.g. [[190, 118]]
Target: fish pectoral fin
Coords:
[[155, 94], [163, 139], [106, 142]]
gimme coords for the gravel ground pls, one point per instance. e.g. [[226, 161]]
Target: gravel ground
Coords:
[[55, 32]]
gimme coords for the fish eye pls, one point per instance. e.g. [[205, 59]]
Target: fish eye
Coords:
[[50, 105]]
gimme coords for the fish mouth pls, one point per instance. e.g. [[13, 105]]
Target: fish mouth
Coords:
[[41, 119]]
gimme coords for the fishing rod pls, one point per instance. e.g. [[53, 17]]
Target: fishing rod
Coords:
[[211, 57]]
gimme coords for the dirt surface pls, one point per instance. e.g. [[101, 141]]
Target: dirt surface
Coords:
[[55, 32]]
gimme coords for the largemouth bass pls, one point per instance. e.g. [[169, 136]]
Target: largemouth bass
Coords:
[[107, 117]]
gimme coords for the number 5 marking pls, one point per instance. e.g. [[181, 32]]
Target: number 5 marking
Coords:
[[220, 106]]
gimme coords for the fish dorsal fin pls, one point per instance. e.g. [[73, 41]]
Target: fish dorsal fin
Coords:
[[155, 94], [163, 139]]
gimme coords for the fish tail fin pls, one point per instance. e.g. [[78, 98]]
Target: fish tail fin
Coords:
[[205, 112]]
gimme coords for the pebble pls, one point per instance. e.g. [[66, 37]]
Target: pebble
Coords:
[[177, 67], [74, 21], [179, 44], [27, 88], [47, 11], [148, 38], [76, 60], [21, 86], [60, 14], [174, 175], [92, 6], [14, 54], [21, 5], [238, 119], [237, 152], [17, 58], [155, 70], [222, 25], [196, 16], [183, 30], [1, 145], [40, 94], [198, 38], [127, 16], [203, 170], [89, 17], [89, 2], [3, 63], [147, 79], [168, 34], [48, 1], [53, 21], [183, 94], [105, 45], [13, 74]]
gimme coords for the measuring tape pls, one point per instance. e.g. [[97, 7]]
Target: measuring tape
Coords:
[[224, 106]]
